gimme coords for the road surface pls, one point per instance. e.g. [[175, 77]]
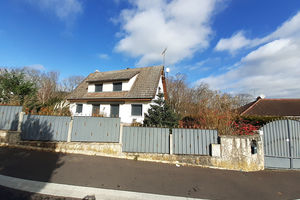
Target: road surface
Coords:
[[148, 177]]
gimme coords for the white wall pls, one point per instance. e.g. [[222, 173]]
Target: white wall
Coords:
[[126, 86], [105, 110], [108, 86], [125, 112], [160, 85], [91, 88], [86, 109]]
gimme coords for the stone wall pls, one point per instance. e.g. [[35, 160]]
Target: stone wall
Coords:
[[236, 153], [11, 137], [99, 149]]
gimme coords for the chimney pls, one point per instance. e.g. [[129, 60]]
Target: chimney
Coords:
[[262, 96]]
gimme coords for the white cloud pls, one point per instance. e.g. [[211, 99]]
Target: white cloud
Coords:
[[36, 67], [291, 28], [273, 69], [65, 10], [183, 26], [103, 56], [234, 43]]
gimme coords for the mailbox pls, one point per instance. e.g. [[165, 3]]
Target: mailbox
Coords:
[[253, 147]]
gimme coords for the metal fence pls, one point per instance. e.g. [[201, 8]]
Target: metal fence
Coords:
[[96, 129], [146, 140], [9, 117], [99, 129], [45, 128], [193, 141], [282, 144]]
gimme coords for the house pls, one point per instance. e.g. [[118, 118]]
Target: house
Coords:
[[124, 93], [272, 107]]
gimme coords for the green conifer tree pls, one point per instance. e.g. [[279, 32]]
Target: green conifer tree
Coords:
[[14, 86], [160, 114]]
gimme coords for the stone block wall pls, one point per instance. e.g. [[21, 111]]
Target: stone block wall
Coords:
[[11, 137], [236, 153]]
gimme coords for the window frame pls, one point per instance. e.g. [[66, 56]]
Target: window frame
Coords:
[[117, 105], [99, 84], [132, 114], [93, 109], [81, 105], [116, 84]]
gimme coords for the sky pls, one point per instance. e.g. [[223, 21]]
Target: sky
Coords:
[[235, 46]]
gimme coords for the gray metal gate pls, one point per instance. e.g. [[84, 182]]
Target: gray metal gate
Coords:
[[282, 144], [146, 140]]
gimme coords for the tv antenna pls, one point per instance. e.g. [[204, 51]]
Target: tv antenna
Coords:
[[164, 55]]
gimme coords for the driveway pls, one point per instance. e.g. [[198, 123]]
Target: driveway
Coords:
[[148, 177]]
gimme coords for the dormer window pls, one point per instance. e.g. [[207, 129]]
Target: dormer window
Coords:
[[117, 86], [98, 87]]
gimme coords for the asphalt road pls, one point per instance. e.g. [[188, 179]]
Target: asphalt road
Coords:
[[157, 178]]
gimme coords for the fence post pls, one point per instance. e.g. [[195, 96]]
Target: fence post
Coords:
[[171, 144], [121, 133], [21, 116], [70, 130]]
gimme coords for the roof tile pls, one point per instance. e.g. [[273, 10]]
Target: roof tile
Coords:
[[144, 87]]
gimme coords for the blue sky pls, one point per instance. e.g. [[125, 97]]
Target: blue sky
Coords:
[[236, 46]]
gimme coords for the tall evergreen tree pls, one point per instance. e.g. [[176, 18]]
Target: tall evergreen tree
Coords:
[[14, 86], [160, 113]]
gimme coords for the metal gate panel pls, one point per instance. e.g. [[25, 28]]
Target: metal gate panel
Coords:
[[193, 141], [45, 128], [146, 140], [294, 129], [95, 129], [282, 144], [9, 117], [276, 162]]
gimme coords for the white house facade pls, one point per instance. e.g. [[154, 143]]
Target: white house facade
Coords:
[[127, 93]]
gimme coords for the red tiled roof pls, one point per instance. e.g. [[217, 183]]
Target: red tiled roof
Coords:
[[272, 107]]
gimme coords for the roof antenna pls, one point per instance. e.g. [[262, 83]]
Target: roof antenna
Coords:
[[164, 55]]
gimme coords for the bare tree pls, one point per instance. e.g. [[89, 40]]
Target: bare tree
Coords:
[[47, 86], [202, 106], [70, 83], [178, 93], [243, 99]]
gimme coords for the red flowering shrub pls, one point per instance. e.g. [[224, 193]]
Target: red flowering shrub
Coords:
[[244, 128]]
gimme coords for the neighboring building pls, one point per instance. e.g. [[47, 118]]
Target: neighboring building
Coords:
[[272, 107], [124, 93]]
